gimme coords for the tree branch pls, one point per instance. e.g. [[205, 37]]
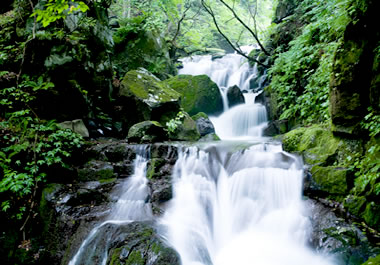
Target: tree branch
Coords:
[[245, 26], [238, 50]]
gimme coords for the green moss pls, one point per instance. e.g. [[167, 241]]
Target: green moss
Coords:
[[198, 93], [153, 170], [145, 86], [355, 204], [199, 115], [146, 131], [373, 261], [115, 254], [135, 258], [332, 180], [106, 181], [371, 215], [318, 145], [186, 131], [210, 137]]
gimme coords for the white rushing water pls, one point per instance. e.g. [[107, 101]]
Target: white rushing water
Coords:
[[131, 206], [238, 207], [235, 202]]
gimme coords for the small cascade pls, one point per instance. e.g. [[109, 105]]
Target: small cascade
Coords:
[[131, 206], [242, 208], [227, 71]]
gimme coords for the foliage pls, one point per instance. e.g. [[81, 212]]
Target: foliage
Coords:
[[301, 75], [55, 10], [186, 25], [368, 166], [173, 124], [29, 146]]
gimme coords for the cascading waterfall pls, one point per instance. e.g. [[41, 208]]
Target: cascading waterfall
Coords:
[[238, 207], [131, 206], [243, 208], [234, 202], [227, 71]]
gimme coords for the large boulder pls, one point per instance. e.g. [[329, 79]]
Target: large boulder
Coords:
[[127, 243], [198, 94], [143, 97], [141, 48], [234, 95], [351, 88], [146, 131], [186, 129]]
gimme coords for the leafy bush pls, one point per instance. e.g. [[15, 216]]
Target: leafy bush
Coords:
[[301, 75], [28, 146], [173, 124]]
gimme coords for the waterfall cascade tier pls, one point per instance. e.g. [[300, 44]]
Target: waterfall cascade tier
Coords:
[[235, 202], [130, 206], [239, 207]]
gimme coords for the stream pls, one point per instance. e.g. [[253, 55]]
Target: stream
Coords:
[[235, 201]]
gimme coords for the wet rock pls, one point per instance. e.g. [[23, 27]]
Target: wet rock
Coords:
[[235, 97], [76, 126], [204, 125], [276, 127], [143, 97], [331, 180], [333, 236], [147, 131], [128, 243], [96, 170], [186, 130], [63, 208], [142, 48], [198, 94], [165, 151], [160, 182]]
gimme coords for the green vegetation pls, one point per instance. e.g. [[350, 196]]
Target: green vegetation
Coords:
[[301, 75], [173, 124], [29, 146], [54, 10]]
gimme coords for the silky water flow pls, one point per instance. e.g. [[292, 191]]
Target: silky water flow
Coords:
[[236, 201]]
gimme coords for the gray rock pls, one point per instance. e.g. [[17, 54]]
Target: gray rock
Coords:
[[128, 243], [76, 126], [205, 126], [234, 95], [146, 131]]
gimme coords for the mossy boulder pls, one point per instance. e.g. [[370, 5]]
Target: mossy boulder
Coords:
[[355, 204], [318, 145], [159, 173], [141, 48], [143, 97], [186, 130], [146, 131], [371, 215], [198, 94], [332, 180], [352, 71], [128, 243]]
